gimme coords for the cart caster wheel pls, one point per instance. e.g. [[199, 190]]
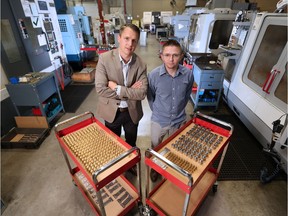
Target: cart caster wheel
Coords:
[[147, 211], [74, 183], [152, 213], [214, 188]]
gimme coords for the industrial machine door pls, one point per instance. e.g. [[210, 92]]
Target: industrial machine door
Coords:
[[266, 71], [13, 57], [37, 53]]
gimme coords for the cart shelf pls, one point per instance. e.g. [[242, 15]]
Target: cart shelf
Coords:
[[99, 159], [170, 199], [115, 203], [185, 161]]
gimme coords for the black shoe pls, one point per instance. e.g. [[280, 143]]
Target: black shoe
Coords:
[[133, 170], [153, 175]]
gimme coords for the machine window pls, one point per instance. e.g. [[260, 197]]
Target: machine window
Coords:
[[221, 33], [268, 54], [8, 42]]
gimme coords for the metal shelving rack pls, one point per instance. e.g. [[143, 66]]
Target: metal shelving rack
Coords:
[[181, 192], [106, 189]]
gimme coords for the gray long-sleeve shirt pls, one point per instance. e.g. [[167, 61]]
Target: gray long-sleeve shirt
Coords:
[[168, 96]]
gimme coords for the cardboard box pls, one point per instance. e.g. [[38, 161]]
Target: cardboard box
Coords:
[[90, 64], [86, 75], [31, 122], [30, 132]]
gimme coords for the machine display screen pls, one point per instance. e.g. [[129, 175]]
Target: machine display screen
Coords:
[[50, 36], [48, 26], [42, 5], [221, 33]]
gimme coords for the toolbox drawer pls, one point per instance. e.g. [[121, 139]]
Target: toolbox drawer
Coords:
[[202, 77], [210, 85], [211, 77]]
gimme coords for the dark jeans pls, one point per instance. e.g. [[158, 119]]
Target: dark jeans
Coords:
[[130, 129]]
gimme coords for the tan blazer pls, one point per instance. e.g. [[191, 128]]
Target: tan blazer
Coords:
[[109, 68]]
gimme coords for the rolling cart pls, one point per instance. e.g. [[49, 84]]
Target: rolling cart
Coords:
[[209, 79], [186, 163], [99, 159]]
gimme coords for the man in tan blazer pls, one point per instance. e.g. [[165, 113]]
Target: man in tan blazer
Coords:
[[121, 83]]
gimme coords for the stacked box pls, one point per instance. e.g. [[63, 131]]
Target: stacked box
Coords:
[[86, 75]]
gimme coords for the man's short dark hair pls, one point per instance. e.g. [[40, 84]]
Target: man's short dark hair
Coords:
[[172, 42], [132, 26]]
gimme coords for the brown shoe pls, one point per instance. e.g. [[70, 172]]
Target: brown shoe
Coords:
[[154, 175]]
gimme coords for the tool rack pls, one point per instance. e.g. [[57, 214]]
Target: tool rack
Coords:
[[180, 192], [105, 188]]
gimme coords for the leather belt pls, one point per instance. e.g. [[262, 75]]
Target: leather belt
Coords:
[[123, 109]]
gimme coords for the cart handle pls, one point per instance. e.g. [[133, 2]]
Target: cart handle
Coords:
[[114, 161], [216, 120], [73, 119], [171, 164]]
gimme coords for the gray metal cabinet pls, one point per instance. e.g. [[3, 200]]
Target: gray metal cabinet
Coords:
[[209, 79], [39, 92]]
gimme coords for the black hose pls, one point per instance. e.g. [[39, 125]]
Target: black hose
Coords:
[[265, 178], [67, 69]]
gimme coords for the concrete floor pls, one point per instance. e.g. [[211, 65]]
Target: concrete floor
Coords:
[[37, 181]]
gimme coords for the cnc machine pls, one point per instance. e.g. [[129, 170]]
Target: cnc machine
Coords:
[[36, 23], [258, 89]]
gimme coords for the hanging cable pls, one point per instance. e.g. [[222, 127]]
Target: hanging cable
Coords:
[[61, 81], [277, 132]]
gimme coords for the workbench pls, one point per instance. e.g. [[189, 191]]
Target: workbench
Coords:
[[38, 91]]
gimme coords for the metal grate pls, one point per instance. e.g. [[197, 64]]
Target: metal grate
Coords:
[[244, 158]]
